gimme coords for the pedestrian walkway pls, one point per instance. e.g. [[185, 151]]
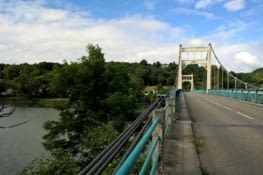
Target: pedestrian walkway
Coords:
[[180, 156]]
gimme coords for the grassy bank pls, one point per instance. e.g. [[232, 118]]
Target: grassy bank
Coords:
[[37, 102]]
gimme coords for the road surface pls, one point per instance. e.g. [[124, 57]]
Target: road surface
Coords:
[[232, 132]]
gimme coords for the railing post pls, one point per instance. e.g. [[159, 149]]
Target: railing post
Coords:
[[177, 100], [159, 131], [256, 96], [169, 113]]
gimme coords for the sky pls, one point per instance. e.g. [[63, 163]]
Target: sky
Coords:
[[131, 30]]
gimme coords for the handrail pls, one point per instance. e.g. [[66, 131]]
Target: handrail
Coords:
[[110, 151], [254, 96], [149, 155], [126, 166], [155, 165], [157, 114], [136, 140]]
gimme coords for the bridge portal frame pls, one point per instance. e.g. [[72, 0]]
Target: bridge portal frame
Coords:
[[183, 63], [189, 78]]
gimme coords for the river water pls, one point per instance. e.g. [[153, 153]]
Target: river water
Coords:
[[21, 144]]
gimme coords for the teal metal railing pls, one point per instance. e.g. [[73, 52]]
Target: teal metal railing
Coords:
[[254, 96], [126, 166], [154, 137], [176, 93], [147, 131]]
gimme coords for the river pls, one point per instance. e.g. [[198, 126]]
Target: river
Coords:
[[21, 144]]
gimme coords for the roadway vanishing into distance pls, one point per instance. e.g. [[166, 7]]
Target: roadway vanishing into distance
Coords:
[[232, 132]]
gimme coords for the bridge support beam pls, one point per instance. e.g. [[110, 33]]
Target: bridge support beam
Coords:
[[208, 67], [179, 74]]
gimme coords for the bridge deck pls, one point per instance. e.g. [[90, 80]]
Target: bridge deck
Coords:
[[232, 132]]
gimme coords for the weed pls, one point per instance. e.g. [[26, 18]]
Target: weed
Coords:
[[198, 145], [204, 170]]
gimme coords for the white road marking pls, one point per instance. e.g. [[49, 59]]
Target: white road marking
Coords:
[[217, 104], [227, 108], [230, 109], [244, 115]]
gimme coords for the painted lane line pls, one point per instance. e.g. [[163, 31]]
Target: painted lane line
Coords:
[[244, 115], [227, 108], [230, 109], [217, 104]]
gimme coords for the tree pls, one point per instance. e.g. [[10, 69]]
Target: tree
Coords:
[[86, 88], [102, 98]]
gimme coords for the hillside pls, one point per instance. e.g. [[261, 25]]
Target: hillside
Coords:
[[255, 77]]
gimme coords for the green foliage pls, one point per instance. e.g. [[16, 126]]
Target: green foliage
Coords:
[[198, 145], [199, 76], [96, 139], [255, 77], [102, 98], [28, 80], [61, 164], [204, 170]]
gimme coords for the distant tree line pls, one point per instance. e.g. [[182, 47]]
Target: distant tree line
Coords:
[[41, 79]]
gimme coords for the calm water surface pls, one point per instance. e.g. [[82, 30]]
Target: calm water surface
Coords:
[[21, 144]]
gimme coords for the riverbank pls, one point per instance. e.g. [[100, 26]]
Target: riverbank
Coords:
[[37, 102]]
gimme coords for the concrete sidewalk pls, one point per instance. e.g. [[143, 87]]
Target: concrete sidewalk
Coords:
[[180, 156]]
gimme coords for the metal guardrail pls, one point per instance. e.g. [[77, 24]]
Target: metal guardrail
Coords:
[[155, 123], [254, 96], [126, 166], [154, 136]]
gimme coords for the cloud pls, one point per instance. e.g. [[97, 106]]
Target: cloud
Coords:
[[185, 1], [228, 31], [195, 42], [238, 57], [33, 33], [193, 12], [203, 4], [246, 60], [150, 4], [235, 5]]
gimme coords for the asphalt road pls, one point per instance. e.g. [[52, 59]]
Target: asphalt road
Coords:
[[232, 132]]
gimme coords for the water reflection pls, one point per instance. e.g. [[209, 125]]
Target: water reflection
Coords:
[[21, 144]]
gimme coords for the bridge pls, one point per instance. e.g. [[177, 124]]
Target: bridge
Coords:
[[216, 130]]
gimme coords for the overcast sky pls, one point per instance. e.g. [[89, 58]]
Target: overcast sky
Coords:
[[131, 30]]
